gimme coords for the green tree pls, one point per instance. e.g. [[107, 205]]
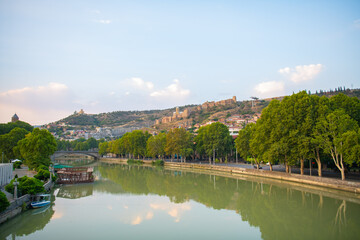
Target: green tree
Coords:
[[156, 145], [7, 127], [336, 132], [214, 140], [242, 142], [138, 141], [179, 143], [37, 147], [92, 143], [103, 148], [9, 141]]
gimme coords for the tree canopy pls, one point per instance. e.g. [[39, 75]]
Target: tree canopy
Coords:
[[37, 147]]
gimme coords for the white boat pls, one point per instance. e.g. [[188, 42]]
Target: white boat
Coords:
[[41, 200]]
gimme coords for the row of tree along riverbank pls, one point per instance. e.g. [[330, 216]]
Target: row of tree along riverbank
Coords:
[[300, 128], [348, 186]]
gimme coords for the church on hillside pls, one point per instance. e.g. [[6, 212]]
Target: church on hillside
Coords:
[[15, 118]]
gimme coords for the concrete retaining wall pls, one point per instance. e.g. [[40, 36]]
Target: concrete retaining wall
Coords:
[[6, 173]]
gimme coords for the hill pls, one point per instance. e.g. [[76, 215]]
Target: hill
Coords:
[[174, 117]]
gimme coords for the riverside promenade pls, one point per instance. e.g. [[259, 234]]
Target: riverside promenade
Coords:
[[324, 182]]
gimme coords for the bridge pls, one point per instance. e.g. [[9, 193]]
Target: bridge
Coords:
[[93, 154]]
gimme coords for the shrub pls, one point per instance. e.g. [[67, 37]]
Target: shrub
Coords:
[[158, 163], [17, 165], [4, 203], [26, 186], [42, 167], [42, 175], [133, 161]]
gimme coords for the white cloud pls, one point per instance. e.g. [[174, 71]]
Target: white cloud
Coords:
[[103, 21], [302, 73], [174, 90], [37, 105], [357, 23], [270, 87], [141, 84]]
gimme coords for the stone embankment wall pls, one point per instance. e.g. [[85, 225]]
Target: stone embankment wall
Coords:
[[15, 208], [337, 184]]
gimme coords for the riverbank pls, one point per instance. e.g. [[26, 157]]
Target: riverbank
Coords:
[[21, 204], [337, 184]]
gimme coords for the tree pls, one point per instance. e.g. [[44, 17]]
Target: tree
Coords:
[[242, 142], [92, 143], [336, 132], [9, 141], [138, 141], [179, 142], [103, 148], [6, 128], [37, 147], [156, 145], [214, 139]]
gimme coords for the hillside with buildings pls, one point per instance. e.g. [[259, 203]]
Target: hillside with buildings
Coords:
[[234, 114]]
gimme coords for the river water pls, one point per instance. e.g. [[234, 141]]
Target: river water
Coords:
[[136, 202]]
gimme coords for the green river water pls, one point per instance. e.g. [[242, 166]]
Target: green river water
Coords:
[[136, 202]]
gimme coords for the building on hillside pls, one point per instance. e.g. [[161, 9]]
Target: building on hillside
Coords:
[[15, 118], [177, 115]]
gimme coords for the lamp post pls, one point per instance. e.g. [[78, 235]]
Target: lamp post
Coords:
[[15, 188], [50, 170]]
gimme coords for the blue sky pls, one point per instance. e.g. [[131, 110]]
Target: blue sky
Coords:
[[60, 56]]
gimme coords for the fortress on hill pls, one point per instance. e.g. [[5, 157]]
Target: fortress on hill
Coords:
[[225, 102], [176, 116], [186, 113]]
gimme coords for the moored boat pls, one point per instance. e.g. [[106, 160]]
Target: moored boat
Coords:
[[41, 200]]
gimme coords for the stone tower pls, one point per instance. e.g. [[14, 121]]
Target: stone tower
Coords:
[[234, 99], [15, 118]]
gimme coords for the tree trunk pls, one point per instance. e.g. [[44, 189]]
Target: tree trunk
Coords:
[[318, 161], [214, 156], [270, 166], [286, 167], [302, 166], [209, 160], [342, 170]]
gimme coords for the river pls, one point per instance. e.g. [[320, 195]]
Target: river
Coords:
[[138, 202]]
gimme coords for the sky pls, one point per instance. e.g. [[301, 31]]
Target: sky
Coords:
[[57, 57]]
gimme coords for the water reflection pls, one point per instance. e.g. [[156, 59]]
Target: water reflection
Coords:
[[75, 191], [273, 208], [144, 202], [27, 223]]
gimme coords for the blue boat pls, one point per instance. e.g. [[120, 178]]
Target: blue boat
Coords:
[[41, 200]]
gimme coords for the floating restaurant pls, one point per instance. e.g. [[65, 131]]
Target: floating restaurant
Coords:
[[75, 175]]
